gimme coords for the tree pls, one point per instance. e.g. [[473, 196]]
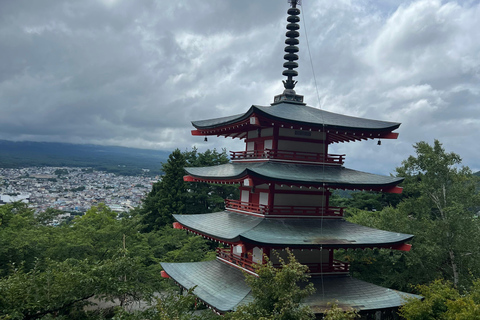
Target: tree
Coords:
[[442, 301], [205, 197], [172, 195], [167, 196], [48, 216], [278, 292], [438, 209], [337, 313], [444, 198]]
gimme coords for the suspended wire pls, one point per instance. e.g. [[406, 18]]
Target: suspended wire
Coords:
[[310, 58], [324, 190]]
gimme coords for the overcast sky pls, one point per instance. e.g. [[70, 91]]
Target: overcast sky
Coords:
[[135, 73]]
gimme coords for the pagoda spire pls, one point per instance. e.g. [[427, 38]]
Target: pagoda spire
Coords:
[[291, 56]]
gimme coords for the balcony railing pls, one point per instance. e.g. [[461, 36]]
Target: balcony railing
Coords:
[[237, 205], [287, 155], [246, 206], [336, 267], [240, 261]]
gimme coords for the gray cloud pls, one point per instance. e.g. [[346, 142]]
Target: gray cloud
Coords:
[[135, 73]]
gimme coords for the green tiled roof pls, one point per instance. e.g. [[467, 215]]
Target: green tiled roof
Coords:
[[295, 173], [300, 114], [354, 293], [218, 284], [337, 233], [224, 288]]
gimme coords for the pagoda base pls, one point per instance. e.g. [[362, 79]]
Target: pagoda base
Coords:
[[223, 288]]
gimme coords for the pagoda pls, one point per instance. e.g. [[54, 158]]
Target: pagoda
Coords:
[[286, 177]]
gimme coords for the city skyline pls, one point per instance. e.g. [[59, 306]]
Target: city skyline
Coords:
[[135, 74]]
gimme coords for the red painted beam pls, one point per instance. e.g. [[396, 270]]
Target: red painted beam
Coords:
[[403, 247], [177, 225], [395, 189], [390, 135], [197, 133], [188, 179], [164, 274]]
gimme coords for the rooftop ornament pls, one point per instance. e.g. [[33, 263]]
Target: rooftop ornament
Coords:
[[291, 56]]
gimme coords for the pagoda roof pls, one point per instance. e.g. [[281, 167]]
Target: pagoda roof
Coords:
[[233, 227], [224, 288], [292, 173], [303, 115]]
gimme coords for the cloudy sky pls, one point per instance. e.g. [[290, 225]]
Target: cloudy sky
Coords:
[[135, 73]]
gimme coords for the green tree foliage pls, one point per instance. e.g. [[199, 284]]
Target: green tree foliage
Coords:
[[206, 197], [47, 216], [278, 292], [438, 209], [48, 271], [364, 200], [443, 199], [171, 306], [172, 195], [442, 301], [337, 313], [167, 196]]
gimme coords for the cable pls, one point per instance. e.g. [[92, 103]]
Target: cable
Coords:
[[324, 154], [311, 60]]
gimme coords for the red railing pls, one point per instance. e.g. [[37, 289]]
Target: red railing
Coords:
[[336, 267], [288, 155], [246, 206], [307, 211], [240, 261], [284, 210]]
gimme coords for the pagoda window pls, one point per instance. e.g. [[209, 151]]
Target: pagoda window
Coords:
[[268, 144], [263, 198], [239, 250], [250, 146], [245, 196], [257, 255]]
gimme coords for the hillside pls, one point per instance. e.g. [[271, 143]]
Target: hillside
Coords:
[[128, 161]]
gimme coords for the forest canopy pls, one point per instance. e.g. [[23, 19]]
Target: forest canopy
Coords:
[[55, 271]]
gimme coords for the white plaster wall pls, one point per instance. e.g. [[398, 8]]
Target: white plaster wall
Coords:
[[257, 255], [263, 199], [245, 196]]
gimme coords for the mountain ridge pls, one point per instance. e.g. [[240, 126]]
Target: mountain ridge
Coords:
[[121, 160]]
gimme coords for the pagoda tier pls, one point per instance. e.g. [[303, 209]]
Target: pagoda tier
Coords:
[[232, 228], [257, 173], [289, 115], [223, 287]]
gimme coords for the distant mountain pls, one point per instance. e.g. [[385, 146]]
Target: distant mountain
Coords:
[[120, 160], [477, 173]]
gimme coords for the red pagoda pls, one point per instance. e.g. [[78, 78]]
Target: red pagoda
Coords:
[[286, 176]]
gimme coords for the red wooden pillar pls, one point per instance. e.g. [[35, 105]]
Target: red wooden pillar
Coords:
[[276, 133], [271, 197]]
